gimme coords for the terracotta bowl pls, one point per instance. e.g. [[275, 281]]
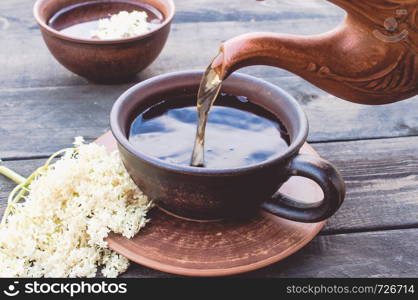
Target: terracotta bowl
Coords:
[[103, 61]]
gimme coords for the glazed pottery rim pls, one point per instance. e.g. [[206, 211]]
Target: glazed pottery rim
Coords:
[[294, 147], [43, 24]]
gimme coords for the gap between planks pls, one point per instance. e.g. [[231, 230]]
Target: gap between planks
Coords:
[[326, 232], [388, 205], [311, 142]]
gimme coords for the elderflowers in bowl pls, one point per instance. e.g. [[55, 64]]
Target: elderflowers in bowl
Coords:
[[122, 25], [57, 220], [105, 41]]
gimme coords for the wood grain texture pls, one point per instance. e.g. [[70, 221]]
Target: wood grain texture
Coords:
[[252, 10], [19, 11], [381, 174], [37, 67], [381, 178], [369, 254], [52, 117]]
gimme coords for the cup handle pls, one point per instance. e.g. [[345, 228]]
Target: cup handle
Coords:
[[325, 175]]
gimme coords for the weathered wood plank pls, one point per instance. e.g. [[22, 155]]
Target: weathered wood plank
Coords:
[[42, 121], [371, 254], [52, 117], [250, 10], [26, 62], [381, 177], [331, 118], [18, 13]]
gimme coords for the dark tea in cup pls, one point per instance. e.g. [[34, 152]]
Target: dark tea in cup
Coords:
[[238, 133]]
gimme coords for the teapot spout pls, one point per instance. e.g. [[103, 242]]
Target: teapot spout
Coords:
[[350, 62], [290, 52], [306, 56]]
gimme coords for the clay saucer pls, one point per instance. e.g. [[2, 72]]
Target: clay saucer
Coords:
[[182, 247]]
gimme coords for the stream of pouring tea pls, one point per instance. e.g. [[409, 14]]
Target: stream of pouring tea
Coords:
[[208, 91]]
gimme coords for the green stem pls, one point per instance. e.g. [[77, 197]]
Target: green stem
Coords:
[[23, 183], [12, 175]]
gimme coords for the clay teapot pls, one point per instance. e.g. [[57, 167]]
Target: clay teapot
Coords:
[[371, 58]]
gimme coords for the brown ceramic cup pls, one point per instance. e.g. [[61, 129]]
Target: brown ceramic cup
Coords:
[[102, 61], [210, 194]]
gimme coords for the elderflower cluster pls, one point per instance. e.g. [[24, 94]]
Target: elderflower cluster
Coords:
[[60, 228], [122, 25]]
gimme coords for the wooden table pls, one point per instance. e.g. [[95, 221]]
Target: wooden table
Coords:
[[374, 234]]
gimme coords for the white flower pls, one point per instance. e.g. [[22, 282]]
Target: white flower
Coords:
[[122, 25], [60, 230]]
